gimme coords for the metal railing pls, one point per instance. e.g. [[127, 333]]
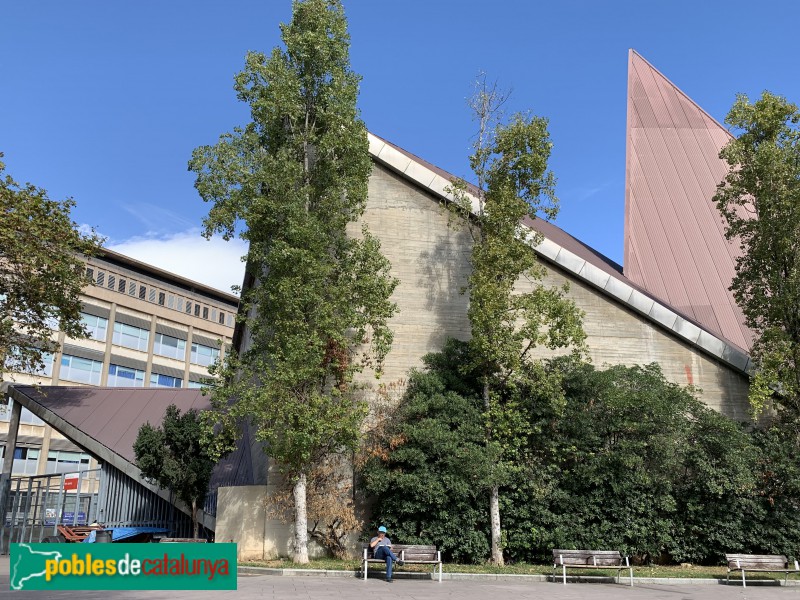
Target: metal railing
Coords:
[[37, 504]]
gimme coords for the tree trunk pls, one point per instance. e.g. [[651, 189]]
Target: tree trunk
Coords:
[[494, 516], [194, 519], [300, 521], [494, 497]]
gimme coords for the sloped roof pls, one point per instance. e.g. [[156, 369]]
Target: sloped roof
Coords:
[[105, 422], [675, 246], [570, 254]]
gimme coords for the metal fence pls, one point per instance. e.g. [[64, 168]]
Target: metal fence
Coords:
[[37, 504]]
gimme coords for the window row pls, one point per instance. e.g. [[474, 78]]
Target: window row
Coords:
[[26, 461], [156, 296], [137, 338], [84, 370], [119, 376]]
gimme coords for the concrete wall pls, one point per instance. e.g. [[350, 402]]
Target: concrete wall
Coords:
[[431, 259], [242, 517]]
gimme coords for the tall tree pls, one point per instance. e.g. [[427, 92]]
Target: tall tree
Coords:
[[42, 274], [513, 183], [760, 202], [174, 456], [317, 310]]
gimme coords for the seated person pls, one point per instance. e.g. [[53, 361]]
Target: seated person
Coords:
[[382, 550]]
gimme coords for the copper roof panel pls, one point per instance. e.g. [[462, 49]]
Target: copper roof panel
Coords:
[[674, 236]]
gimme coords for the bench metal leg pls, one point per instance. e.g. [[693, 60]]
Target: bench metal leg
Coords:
[[564, 573], [631, 570], [744, 580], [364, 568]]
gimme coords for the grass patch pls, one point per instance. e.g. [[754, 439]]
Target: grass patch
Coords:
[[686, 572]]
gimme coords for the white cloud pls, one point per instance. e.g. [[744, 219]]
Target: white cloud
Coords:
[[214, 262]]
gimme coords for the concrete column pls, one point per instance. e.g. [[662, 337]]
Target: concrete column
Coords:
[[187, 358], [41, 466], [150, 343], [11, 438], [8, 461], [109, 336], [56, 373]]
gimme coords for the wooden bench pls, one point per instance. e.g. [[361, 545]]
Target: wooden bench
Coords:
[[590, 559], [759, 563], [410, 554]]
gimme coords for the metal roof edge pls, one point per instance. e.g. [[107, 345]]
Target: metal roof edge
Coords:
[[650, 308], [101, 451]]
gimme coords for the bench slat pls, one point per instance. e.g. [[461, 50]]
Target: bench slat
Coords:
[[587, 558]]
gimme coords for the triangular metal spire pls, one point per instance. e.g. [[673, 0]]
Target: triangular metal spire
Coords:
[[675, 246]]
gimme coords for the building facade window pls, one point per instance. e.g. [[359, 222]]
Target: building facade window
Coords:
[[112, 281], [204, 355], [26, 460], [121, 287], [142, 292], [96, 326], [25, 416], [161, 298], [81, 370], [12, 363], [62, 461], [171, 347], [119, 376], [101, 278], [159, 380], [193, 384], [129, 336], [196, 310]]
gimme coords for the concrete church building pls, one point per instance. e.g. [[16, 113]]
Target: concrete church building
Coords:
[[669, 304]]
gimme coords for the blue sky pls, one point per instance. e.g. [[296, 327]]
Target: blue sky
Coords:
[[104, 101]]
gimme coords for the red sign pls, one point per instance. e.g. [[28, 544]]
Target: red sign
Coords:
[[71, 483]]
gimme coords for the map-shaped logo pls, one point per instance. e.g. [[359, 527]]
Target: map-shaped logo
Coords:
[[27, 564]]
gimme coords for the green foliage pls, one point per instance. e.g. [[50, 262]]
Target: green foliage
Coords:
[[294, 178], [514, 183], [173, 456], [760, 201], [618, 458], [41, 273], [430, 473]]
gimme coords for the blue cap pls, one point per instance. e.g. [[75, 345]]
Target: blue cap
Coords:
[[382, 529]]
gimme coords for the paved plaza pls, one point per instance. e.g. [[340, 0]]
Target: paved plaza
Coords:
[[320, 588]]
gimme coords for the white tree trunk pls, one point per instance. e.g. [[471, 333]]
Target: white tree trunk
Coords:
[[300, 521], [494, 516], [194, 519]]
